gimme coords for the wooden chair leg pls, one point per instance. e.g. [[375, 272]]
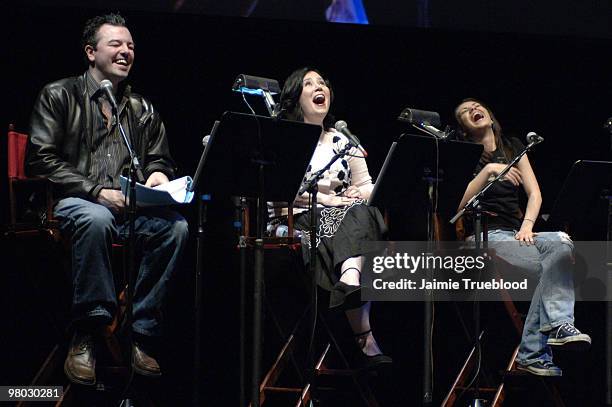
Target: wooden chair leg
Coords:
[[462, 377]]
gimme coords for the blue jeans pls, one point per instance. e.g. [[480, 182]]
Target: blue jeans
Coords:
[[550, 261], [161, 236]]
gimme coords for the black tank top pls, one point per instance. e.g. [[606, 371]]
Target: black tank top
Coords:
[[502, 198]]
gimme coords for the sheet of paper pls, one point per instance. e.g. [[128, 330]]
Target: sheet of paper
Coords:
[[171, 193]]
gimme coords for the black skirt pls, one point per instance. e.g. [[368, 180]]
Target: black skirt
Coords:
[[340, 232]]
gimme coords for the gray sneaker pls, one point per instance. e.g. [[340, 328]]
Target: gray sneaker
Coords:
[[541, 368], [566, 336]]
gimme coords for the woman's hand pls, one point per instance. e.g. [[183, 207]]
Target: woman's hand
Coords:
[[353, 192], [513, 175], [332, 200], [525, 236]]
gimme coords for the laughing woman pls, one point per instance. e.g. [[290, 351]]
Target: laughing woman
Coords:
[[545, 255], [344, 218]]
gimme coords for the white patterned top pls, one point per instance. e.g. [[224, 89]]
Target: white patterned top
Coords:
[[349, 170]]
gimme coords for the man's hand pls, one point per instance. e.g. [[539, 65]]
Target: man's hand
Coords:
[[156, 178], [112, 199]]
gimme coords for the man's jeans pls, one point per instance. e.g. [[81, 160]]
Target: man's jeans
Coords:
[[161, 238], [551, 261]]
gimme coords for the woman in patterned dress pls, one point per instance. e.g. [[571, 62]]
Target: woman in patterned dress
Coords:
[[345, 220]]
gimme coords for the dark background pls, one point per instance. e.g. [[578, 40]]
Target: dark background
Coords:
[[588, 18], [556, 85]]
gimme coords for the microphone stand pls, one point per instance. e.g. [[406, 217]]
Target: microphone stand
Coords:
[[480, 228], [203, 200], [473, 203], [608, 197], [135, 174], [311, 186], [428, 305]]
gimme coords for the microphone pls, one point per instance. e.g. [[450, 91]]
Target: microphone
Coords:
[[107, 88], [342, 127], [532, 137]]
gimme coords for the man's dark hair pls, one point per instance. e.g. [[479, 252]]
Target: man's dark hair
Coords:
[[90, 31], [290, 96]]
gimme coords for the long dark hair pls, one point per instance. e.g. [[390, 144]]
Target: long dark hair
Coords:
[[292, 90], [500, 140]]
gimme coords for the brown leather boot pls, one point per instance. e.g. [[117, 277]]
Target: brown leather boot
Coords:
[[80, 364], [143, 363]]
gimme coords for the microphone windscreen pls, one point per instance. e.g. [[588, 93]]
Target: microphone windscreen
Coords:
[[107, 87], [532, 137], [340, 125], [106, 84]]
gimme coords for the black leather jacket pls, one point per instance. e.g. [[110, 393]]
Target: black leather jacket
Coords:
[[60, 140]]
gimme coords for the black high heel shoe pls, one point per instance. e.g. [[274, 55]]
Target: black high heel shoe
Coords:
[[344, 296], [374, 362]]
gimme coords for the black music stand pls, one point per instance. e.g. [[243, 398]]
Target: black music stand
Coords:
[[440, 169], [584, 187], [256, 156], [587, 184], [410, 166]]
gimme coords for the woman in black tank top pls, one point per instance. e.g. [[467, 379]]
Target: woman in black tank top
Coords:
[[547, 256]]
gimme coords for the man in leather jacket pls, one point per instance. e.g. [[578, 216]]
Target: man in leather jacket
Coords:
[[76, 144]]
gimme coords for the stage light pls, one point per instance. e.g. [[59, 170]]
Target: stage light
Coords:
[[423, 120], [255, 85]]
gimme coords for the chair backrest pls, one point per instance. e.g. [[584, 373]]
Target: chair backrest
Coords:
[[16, 153], [273, 238], [26, 215]]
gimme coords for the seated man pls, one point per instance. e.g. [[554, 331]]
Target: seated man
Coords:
[[75, 142]]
